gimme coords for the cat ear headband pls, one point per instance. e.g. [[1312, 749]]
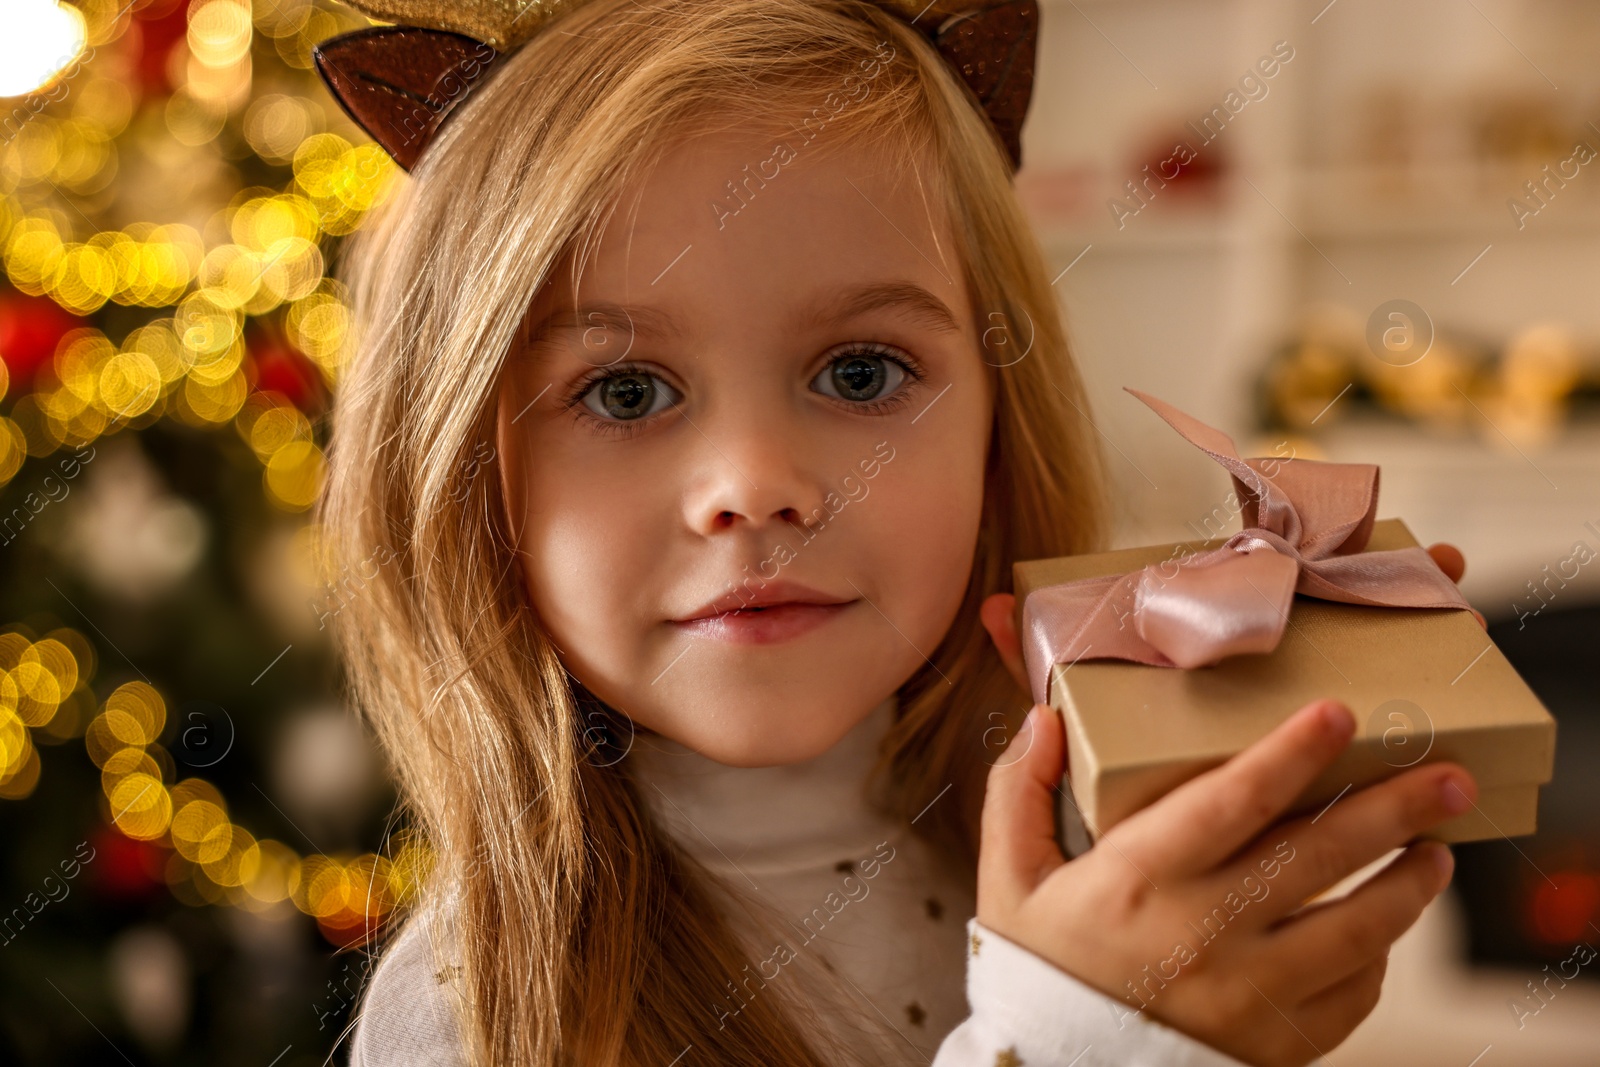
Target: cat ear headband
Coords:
[[399, 83]]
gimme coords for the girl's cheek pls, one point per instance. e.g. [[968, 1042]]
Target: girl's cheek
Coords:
[[929, 512]]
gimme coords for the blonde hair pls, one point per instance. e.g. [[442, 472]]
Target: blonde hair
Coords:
[[565, 893]]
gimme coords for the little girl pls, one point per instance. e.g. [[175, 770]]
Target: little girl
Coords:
[[686, 685]]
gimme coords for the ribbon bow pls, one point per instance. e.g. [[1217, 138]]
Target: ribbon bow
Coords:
[[1305, 524]]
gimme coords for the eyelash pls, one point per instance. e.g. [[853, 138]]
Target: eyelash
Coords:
[[573, 401]]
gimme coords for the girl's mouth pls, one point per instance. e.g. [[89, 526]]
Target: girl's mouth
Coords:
[[764, 625]]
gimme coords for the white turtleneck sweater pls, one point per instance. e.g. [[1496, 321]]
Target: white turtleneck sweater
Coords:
[[874, 933]]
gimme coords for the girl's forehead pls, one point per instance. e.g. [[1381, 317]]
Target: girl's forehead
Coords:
[[815, 237], [722, 177]]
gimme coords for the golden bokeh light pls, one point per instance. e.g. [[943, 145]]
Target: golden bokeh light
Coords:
[[218, 403], [220, 32], [201, 831], [141, 807], [41, 40], [319, 326], [276, 875], [213, 860], [18, 783], [259, 260], [236, 864], [194, 119], [275, 125], [294, 475], [15, 744], [136, 713], [13, 449], [270, 429]]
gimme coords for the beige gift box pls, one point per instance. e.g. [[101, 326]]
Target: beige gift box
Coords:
[[1425, 685]]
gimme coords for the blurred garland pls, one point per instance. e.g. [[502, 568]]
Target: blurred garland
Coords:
[[255, 339]]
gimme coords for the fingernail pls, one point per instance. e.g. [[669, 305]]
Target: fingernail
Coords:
[[1338, 720], [1444, 861], [1026, 733], [1452, 790]]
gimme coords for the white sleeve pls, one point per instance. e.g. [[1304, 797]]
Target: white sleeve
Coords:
[[1027, 1012], [405, 1018]]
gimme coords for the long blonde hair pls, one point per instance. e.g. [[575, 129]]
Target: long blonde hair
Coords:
[[567, 895]]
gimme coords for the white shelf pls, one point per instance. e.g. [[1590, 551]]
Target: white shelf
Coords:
[[1449, 203], [1161, 234], [1347, 205]]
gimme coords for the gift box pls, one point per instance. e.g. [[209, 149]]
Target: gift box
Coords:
[[1212, 644]]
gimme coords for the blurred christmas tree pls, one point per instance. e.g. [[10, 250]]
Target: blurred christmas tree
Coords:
[[190, 821]]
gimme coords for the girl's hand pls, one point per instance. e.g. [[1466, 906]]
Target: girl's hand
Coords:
[[1183, 909], [1263, 987]]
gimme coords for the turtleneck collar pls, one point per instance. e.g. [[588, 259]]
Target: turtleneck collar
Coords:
[[755, 821]]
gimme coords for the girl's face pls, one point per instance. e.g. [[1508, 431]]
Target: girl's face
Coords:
[[745, 464]]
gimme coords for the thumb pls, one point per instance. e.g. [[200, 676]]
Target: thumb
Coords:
[[1018, 847]]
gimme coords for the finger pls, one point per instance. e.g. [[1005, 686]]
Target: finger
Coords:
[[1208, 818], [1454, 565], [1346, 935], [1449, 559], [1360, 827], [1328, 1018], [999, 617], [1018, 847]]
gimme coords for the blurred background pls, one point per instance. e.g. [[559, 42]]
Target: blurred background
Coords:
[[1357, 230]]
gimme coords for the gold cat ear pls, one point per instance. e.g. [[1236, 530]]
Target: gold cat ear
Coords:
[[500, 24]]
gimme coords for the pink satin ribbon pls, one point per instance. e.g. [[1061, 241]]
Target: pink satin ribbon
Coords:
[[1305, 525]]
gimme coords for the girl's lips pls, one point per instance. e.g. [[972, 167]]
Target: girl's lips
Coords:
[[763, 626]]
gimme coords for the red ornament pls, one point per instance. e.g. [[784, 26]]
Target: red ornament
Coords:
[[159, 26], [31, 327], [276, 366], [1564, 906], [123, 867], [1181, 163]]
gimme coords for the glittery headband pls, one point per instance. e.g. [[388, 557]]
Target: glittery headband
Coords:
[[400, 82]]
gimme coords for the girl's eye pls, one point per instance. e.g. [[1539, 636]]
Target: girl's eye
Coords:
[[627, 395], [866, 373]]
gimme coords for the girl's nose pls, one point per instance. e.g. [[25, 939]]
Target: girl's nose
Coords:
[[755, 479], [728, 519]]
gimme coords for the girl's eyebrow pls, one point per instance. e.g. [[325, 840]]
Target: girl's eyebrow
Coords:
[[848, 301], [633, 321], [837, 305]]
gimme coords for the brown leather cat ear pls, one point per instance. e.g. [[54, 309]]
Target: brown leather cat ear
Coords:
[[399, 83], [992, 48]]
